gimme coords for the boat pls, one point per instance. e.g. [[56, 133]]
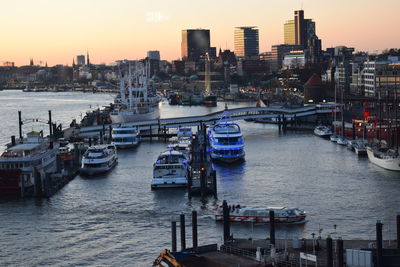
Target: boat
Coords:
[[137, 104], [125, 137], [226, 141], [334, 137], [342, 141], [210, 101], [322, 131], [99, 159], [261, 215], [387, 159], [170, 170], [25, 163], [360, 147], [184, 132]]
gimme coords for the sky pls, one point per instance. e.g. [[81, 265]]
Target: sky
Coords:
[[55, 31]]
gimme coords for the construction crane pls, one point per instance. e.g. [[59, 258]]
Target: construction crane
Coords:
[[167, 257]]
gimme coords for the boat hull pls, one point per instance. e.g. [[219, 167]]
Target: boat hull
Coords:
[[389, 163], [125, 117], [175, 182], [263, 219]]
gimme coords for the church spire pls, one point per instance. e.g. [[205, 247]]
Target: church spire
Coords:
[[73, 62], [87, 59]]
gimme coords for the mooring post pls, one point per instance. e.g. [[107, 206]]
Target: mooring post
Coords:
[[379, 245], [340, 253], [272, 227], [214, 174], [329, 251], [20, 125], [183, 234], [202, 181], [173, 236], [50, 125], [194, 228], [398, 229], [225, 212]]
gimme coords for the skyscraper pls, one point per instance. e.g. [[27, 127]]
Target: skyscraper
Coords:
[[195, 43], [246, 41], [299, 31], [289, 32]]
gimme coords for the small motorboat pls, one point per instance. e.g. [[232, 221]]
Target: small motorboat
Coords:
[[322, 131]]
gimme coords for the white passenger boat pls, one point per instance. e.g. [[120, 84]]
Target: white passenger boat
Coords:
[[171, 169], [184, 132], [322, 131], [389, 160], [22, 159], [134, 102], [125, 137], [99, 159], [261, 215], [226, 141]]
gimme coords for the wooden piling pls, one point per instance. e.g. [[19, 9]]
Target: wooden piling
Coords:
[[50, 125], [329, 252], [20, 125], [194, 228], [225, 211], [272, 227], [203, 176], [183, 234], [340, 253], [379, 244], [398, 229], [173, 236], [214, 175]]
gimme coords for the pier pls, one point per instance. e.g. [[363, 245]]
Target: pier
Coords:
[[317, 251], [286, 117]]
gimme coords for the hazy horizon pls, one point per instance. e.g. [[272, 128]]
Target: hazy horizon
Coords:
[[57, 31]]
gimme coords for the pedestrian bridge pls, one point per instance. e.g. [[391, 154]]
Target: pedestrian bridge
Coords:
[[235, 114]]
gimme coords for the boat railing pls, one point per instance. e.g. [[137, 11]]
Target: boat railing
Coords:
[[238, 251]]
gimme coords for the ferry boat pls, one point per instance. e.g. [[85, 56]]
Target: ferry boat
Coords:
[[125, 137], [99, 159], [137, 104], [389, 159], [322, 131], [226, 141], [170, 170], [21, 160], [261, 215]]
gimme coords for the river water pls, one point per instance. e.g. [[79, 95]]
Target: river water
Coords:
[[115, 219]]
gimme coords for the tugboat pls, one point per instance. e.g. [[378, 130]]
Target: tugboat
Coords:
[[261, 215], [99, 159], [226, 141], [22, 160], [171, 169]]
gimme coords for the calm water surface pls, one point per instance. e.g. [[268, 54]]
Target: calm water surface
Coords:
[[116, 219]]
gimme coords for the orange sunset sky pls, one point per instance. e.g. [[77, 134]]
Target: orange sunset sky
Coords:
[[57, 30]]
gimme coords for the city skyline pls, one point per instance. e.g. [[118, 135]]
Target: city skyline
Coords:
[[55, 32]]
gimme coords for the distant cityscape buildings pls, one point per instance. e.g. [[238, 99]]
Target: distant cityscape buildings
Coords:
[[299, 59], [195, 44], [246, 41]]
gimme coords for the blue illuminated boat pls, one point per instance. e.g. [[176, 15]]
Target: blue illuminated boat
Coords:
[[226, 141]]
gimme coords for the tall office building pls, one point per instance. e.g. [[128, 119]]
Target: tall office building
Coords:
[[289, 32], [299, 31], [80, 60], [246, 41], [195, 43], [299, 26]]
